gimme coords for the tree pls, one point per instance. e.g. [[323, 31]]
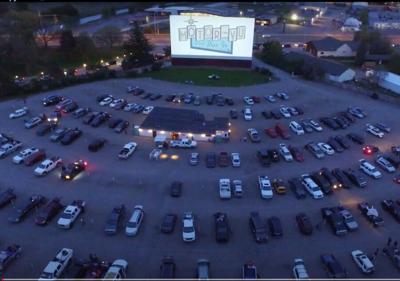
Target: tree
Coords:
[[138, 47], [67, 43], [45, 35], [364, 17], [167, 51], [272, 53], [85, 48], [361, 52], [394, 63], [108, 36]]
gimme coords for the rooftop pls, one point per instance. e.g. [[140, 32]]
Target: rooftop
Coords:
[[332, 44], [330, 67], [183, 120]]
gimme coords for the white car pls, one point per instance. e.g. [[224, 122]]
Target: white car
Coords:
[[285, 152], [115, 102], [311, 186], [284, 111], [106, 101], [134, 223], [117, 270], [237, 188], [188, 231], [369, 169], [148, 109], [315, 125], [155, 154], [47, 166], [270, 98], [247, 114], [299, 270], [374, 131], [129, 106], [18, 113], [235, 159], [282, 95], [70, 214], [363, 262], [248, 100], [385, 164], [326, 148], [265, 187], [20, 157], [10, 147], [33, 122], [127, 150], [297, 128], [225, 189]]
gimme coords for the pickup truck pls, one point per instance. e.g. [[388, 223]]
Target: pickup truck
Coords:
[[10, 147], [71, 213], [8, 255], [183, 143], [56, 267], [47, 166]]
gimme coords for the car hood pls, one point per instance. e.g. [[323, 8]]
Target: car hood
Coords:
[[39, 170], [62, 221]]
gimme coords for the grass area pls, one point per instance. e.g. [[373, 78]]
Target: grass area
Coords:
[[199, 76]]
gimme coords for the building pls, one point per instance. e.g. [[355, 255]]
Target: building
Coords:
[[351, 24], [390, 81], [384, 20], [334, 71], [266, 20], [331, 47], [180, 123]]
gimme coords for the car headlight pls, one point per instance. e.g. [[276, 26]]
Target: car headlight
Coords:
[[67, 177]]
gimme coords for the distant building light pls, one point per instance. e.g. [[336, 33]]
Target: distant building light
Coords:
[[41, 73], [294, 17], [162, 132], [65, 73], [150, 131], [16, 76], [203, 135], [140, 130], [190, 135]]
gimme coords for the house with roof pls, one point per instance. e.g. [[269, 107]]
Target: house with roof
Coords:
[[390, 81], [331, 47], [176, 123], [333, 70]]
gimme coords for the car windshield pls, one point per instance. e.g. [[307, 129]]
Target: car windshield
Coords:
[[131, 224], [188, 229], [66, 216], [42, 166]]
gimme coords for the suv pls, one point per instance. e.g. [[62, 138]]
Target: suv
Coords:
[[315, 150], [330, 177], [335, 220], [299, 270], [369, 169], [322, 182], [134, 223], [296, 127], [356, 178], [114, 221], [385, 164], [284, 151], [258, 228], [333, 267], [311, 187], [297, 187], [167, 268], [222, 228], [263, 157]]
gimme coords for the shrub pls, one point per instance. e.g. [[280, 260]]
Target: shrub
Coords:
[[156, 66]]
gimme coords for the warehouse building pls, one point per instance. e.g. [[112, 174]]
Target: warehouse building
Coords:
[[183, 123]]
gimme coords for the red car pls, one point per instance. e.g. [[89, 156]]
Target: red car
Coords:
[[39, 155], [223, 159], [370, 149], [282, 131], [271, 132], [297, 154], [256, 99]]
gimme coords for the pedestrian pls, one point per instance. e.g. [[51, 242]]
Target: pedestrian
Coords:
[[389, 241]]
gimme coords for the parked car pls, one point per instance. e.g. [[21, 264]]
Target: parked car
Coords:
[[249, 271], [188, 227], [168, 223], [127, 150], [237, 188], [341, 177], [332, 266], [285, 153], [296, 128], [369, 169], [299, 270], [304, 224], [223, 159], [271, 132], [296, 153], [80, 112], [26, 208], [297, 187], [356, 178], [275, 226], [167, 268], [222, 228], [392, 208], [314, 149], [6, 197], [233, 114], [114, 222], [18, 113], [311, 186], [176, 189], [263, 157], [363, 262], [48, 212], [253, 135], [211, 160], [385, 164], [8, 255], [52, 100], [356, 138], [371, 214], [35, 157], [342, 141], [279, 186], [133, 225], [203, 269], [70, 136], [258, 228]]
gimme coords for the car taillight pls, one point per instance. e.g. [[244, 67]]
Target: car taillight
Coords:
[[85, 163]]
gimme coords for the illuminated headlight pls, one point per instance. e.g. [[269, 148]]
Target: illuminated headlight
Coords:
[[67, 177]]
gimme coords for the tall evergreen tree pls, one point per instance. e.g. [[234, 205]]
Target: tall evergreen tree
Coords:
[[138, 47]]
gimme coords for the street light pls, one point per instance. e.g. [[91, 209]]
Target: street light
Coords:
[[241, 13], [101, 61], [42, 73], [294, 17], [65, 73], [84, 65]]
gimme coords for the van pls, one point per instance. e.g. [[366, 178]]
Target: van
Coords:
[[133, 225]]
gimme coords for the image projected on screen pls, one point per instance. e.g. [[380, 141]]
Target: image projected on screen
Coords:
[[211, 37]]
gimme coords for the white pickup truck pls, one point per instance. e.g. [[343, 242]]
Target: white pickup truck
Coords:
[[47, 166], [183, 143], [10, 147], [70, 214], [56, 267]]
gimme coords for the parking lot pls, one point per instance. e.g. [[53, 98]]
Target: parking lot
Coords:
[[139, 181]]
